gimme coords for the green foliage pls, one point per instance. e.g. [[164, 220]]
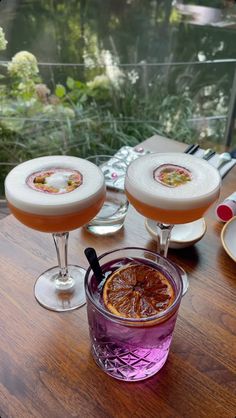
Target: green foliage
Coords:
[[60, 91], [85, 118], [85, 110]]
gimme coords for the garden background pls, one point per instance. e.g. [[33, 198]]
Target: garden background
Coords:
[[89, 76]]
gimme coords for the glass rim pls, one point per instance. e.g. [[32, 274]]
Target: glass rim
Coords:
[[108, 156], [116, 318]]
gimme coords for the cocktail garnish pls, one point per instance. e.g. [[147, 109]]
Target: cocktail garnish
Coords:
[[55, 181], [137, 291], [172, 175]]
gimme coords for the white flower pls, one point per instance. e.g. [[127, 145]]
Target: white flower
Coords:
[[112, 69], [3, 41], [104, 59], [89, 61], [201, 56], [133, 76], [113, 72], [23, 65], [208, 90]]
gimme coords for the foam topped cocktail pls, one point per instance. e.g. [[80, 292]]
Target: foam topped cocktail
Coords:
[[56, 194], [171, 188], [132, 312]]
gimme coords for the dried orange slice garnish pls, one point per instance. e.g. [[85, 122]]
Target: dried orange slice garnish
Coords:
[[137, 291]]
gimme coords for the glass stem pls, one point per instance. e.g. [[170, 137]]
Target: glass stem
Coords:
[[63, 281], [163, 238]]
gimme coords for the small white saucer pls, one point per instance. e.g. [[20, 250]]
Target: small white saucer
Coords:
[[182, 235], [228, 238]]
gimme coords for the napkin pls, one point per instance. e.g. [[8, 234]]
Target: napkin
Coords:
[[129, 154], [114, 171]]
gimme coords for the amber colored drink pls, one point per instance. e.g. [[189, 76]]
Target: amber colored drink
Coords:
[[172, 188], [59, 223], [55, 194]]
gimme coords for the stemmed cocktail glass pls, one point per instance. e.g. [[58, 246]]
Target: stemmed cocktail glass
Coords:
[[57, 194], [171, 188]]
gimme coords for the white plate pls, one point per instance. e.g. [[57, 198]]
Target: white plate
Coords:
[[182, 235], [228, 238]]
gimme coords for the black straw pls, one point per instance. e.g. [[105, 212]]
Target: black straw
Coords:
[[92, 258]]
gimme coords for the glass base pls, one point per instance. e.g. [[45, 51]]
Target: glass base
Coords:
[[103, 229], [125, 368], [54, 297], [184, 278]]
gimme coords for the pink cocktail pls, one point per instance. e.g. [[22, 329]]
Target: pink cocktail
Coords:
[[125, 346]]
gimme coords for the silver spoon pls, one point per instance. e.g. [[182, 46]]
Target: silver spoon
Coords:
[[224, 158]]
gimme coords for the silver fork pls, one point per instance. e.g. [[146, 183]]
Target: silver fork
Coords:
[[208, 154]]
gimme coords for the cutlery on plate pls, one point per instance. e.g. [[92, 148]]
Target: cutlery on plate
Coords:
[[208, 154], [191, 149], [224, 158]]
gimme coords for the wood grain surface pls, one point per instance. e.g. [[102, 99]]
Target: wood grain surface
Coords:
[[46, 369]]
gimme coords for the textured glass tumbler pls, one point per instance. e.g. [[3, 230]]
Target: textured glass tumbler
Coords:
[[131, 349], [112, 215]]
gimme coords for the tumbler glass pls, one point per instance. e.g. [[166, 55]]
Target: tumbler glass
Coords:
[[131, 349]]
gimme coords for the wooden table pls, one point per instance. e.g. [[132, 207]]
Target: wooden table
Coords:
[[46, 369]]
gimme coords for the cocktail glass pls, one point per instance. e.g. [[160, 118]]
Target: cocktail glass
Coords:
[[131, 349], [41, 206], [171, 188]]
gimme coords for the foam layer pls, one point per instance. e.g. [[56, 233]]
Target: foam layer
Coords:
[[201, 190], [20, 195], [58, 180]]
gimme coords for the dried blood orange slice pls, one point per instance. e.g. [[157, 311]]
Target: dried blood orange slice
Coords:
[[172, 175], [137, 291]]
